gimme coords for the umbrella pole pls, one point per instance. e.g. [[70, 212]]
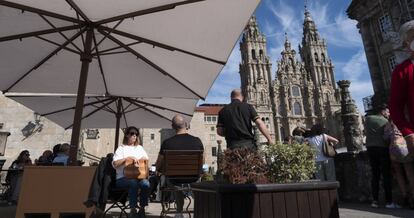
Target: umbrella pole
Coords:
[[118, 122], [86, 58]]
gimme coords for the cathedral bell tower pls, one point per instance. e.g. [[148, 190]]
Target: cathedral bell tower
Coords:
[[255, 74], [314, 54]]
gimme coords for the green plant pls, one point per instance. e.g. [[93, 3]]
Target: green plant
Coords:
[[289, 163]]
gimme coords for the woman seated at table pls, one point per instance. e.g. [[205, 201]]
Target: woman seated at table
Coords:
[[14, 175], [131, 151], [63, 155]]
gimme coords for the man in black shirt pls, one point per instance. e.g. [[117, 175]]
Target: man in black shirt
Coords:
[[181, 141], [235, 123]]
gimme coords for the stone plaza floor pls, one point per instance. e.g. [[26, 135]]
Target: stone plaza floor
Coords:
[[346, 210]]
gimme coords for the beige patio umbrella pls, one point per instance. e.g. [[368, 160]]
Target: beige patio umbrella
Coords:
[[146, 48]]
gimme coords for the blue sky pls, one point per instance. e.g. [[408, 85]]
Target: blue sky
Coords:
[[275, 17]]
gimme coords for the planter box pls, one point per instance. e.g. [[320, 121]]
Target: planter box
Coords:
[[310, 199]]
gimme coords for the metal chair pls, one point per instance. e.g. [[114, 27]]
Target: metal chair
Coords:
[[181, 168]]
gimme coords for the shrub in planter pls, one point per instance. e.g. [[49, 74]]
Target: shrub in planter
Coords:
[[289, 163], [244, 166]]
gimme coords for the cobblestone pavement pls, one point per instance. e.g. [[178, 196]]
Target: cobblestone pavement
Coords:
[[347, 210]]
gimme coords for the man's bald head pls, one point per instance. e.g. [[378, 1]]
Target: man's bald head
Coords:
[[178, 122], [236, 94]]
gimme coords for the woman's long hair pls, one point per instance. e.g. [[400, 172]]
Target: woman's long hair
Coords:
[[128, 130], [20, 158], [317, 129]]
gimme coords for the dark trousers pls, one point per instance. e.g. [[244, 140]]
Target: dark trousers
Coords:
[[380, 162], [245, 143]]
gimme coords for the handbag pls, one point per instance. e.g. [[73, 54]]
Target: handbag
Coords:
[[398, 146], [327, 148], [136, 170]]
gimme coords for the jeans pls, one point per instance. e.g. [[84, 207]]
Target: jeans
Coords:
[[325, 170], [134, 185], [379, 159]]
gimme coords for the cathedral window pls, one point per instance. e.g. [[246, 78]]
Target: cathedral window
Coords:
[[292, 62], [253, 54], [323, 57], [295, 91], [385, 26], [297, 109], [316, 57], [261, 53]]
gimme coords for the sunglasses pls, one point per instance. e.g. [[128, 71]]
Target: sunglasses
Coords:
[[132, 133]]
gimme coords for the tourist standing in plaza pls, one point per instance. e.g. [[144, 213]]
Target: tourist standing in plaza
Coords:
[[235, 123], [15, 175], [378, 152], [325, 166], [181, 141], [402, 89], [132, 151]]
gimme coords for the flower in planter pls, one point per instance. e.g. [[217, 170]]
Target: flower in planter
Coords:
[[289, 163], [244, 166]]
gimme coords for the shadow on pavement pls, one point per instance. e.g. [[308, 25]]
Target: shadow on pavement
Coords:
[[404, 212]]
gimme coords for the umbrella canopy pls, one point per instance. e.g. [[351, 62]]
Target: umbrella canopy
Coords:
[[108, 111], [146, 48]]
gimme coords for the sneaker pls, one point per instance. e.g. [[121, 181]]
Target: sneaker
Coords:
[[179, 215], [374, 204], [392, 206]]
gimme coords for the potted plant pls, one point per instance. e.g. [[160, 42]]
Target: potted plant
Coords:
[[270, 183]]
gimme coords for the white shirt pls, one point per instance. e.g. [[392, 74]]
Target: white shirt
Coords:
[[124, 151], [317, 142]]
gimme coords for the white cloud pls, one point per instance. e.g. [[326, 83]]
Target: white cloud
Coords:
[[356, 66]]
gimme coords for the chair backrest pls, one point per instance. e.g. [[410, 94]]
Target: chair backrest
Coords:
[[186, 163]]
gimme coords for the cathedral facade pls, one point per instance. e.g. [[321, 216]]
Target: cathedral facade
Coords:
[[303, 91]]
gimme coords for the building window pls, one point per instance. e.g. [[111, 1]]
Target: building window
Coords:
[[214, 151], [323, 57], [391, 62], [253, 54], [209, 119], [316, 57], [295, 91], [152, 136], [297, 109], [212, 137], [385, 25], [212, 128], [261, 53]]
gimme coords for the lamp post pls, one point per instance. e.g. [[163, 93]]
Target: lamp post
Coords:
[[3, 141]]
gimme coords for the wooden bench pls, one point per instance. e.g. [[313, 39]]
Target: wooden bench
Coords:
[[178, 166]]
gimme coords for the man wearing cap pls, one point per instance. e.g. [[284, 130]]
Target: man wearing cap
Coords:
[[401, 103], [235, 123]]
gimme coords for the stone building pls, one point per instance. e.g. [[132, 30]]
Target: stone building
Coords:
[[304, 91], [379, 23]]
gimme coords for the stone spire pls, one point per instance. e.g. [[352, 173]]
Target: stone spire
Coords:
[[255, 72]]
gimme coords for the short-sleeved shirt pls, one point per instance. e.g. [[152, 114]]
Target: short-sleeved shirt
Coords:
[[182, 142], [374, 130], [124, 151], [236, 118]]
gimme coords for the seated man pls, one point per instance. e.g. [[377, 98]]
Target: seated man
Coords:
[[63, 154], [181, 141]]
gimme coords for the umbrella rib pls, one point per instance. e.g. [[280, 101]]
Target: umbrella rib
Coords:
[[57, 44], [37, 33], [115, 48], [63, 35], [149, 110], [78, 10], [108, 109], [83, 40], [71, 108], [92, 112], [147, 11], [115, 52], [45, 59], [161, 45], [100, 64], [39, 11], [116, 25], [150, 63], [124, 114], [160, 107]]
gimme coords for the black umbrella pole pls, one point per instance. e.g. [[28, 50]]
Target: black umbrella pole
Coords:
[[86, 58], [118, 122]]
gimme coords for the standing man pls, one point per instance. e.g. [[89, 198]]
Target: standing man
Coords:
[[181, 141], [235, 123], [379, 157], [402, 89]]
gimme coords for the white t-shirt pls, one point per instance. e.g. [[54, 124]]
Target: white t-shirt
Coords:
[[317, 142], [124, 151]]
